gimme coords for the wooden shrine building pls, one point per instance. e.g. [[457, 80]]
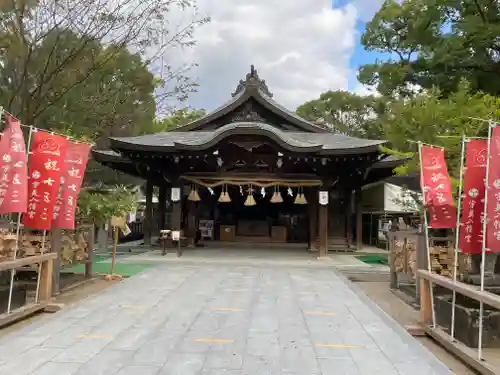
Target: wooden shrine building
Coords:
[[255, 170]]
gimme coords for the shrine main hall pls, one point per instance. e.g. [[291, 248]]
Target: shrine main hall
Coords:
[[254, 172]]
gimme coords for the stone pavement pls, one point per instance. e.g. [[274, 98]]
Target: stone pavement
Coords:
[[211, 319]]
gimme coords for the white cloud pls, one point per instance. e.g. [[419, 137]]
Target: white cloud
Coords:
[[301, 48]]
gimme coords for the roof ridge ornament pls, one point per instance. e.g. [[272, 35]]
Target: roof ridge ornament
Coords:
[[252, 81]]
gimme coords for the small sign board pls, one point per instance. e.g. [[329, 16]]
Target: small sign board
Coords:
[[126, 230], [175, 194], [176, 235], [323, 198], [118, 222]]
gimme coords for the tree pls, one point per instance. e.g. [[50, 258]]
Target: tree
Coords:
[[434, 43], [431, 118], [60, 59], [345, 112], [177, 118]]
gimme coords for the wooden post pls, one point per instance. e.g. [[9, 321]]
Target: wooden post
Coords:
[[348, 217], [162, 207], [313, 221], [359, 219], [115, 245], [45, 291], [148, 214], [55, 243], [191, 223], [177, 211], [393, 275], [323, 229], [90, 253]]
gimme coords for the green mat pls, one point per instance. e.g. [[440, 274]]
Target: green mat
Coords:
[[373, 258], [124, 269]]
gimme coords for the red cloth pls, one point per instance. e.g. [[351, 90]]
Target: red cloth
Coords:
[[471, 223], [14, 182], [46, 163], [493, 205], [76, 158], [436, 187]]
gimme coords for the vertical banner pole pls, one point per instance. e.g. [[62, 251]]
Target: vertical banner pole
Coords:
[[18, 229], [483, 247], [426, 233], [44, 237], [457, 237]]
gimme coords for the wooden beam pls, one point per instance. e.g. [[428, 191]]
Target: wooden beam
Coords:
[[348, 217], [21, 313], [12, 264], [466, 354], [162, 207], [467, 290]]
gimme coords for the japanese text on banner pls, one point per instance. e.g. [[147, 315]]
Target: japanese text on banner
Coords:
[[493, 206], [75, 162], [14, 184], [472, 219], [437, 188], [47, 158]]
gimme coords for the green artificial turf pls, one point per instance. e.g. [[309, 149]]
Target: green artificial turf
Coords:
[[124, 269], [373, 258]]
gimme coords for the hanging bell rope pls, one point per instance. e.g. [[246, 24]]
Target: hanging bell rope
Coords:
[[193, 194], [250, 201], [276, 198], [300, 198], [224, 196]]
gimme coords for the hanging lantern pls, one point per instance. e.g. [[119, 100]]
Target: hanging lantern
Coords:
[[193, 195], [250, 201], [276, 198]]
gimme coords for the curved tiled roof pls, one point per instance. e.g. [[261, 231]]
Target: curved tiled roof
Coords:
[[322, 143]]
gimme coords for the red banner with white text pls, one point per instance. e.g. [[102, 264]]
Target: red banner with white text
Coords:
[[46, 163], [14, 184], [471, 221], [436, 188], [493, 205], [76, 158]]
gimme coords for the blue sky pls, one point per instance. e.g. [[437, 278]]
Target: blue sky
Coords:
[[305, 49]]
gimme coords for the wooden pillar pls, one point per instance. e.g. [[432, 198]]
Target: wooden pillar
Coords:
[[148, 214], [56, 245], [162, 206], [323, 229], [191, 223], [177, 209], [359, 218], [313, 221], [45, 291], [90, 252], [348, 217]]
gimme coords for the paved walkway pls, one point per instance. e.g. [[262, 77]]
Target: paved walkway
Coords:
[[210, 319]]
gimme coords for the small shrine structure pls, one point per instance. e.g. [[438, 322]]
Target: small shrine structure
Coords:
[[257, 171]]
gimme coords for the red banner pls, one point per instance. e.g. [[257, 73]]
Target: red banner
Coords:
[[46, 161], [493, 205], [14, 184], [76, 158], [437, 189], [471, 221]]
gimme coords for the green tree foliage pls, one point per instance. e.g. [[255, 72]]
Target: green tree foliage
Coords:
[[101, 205], [434, 43], [346, 113], [96, 65], [177, 118], [431, 118]]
